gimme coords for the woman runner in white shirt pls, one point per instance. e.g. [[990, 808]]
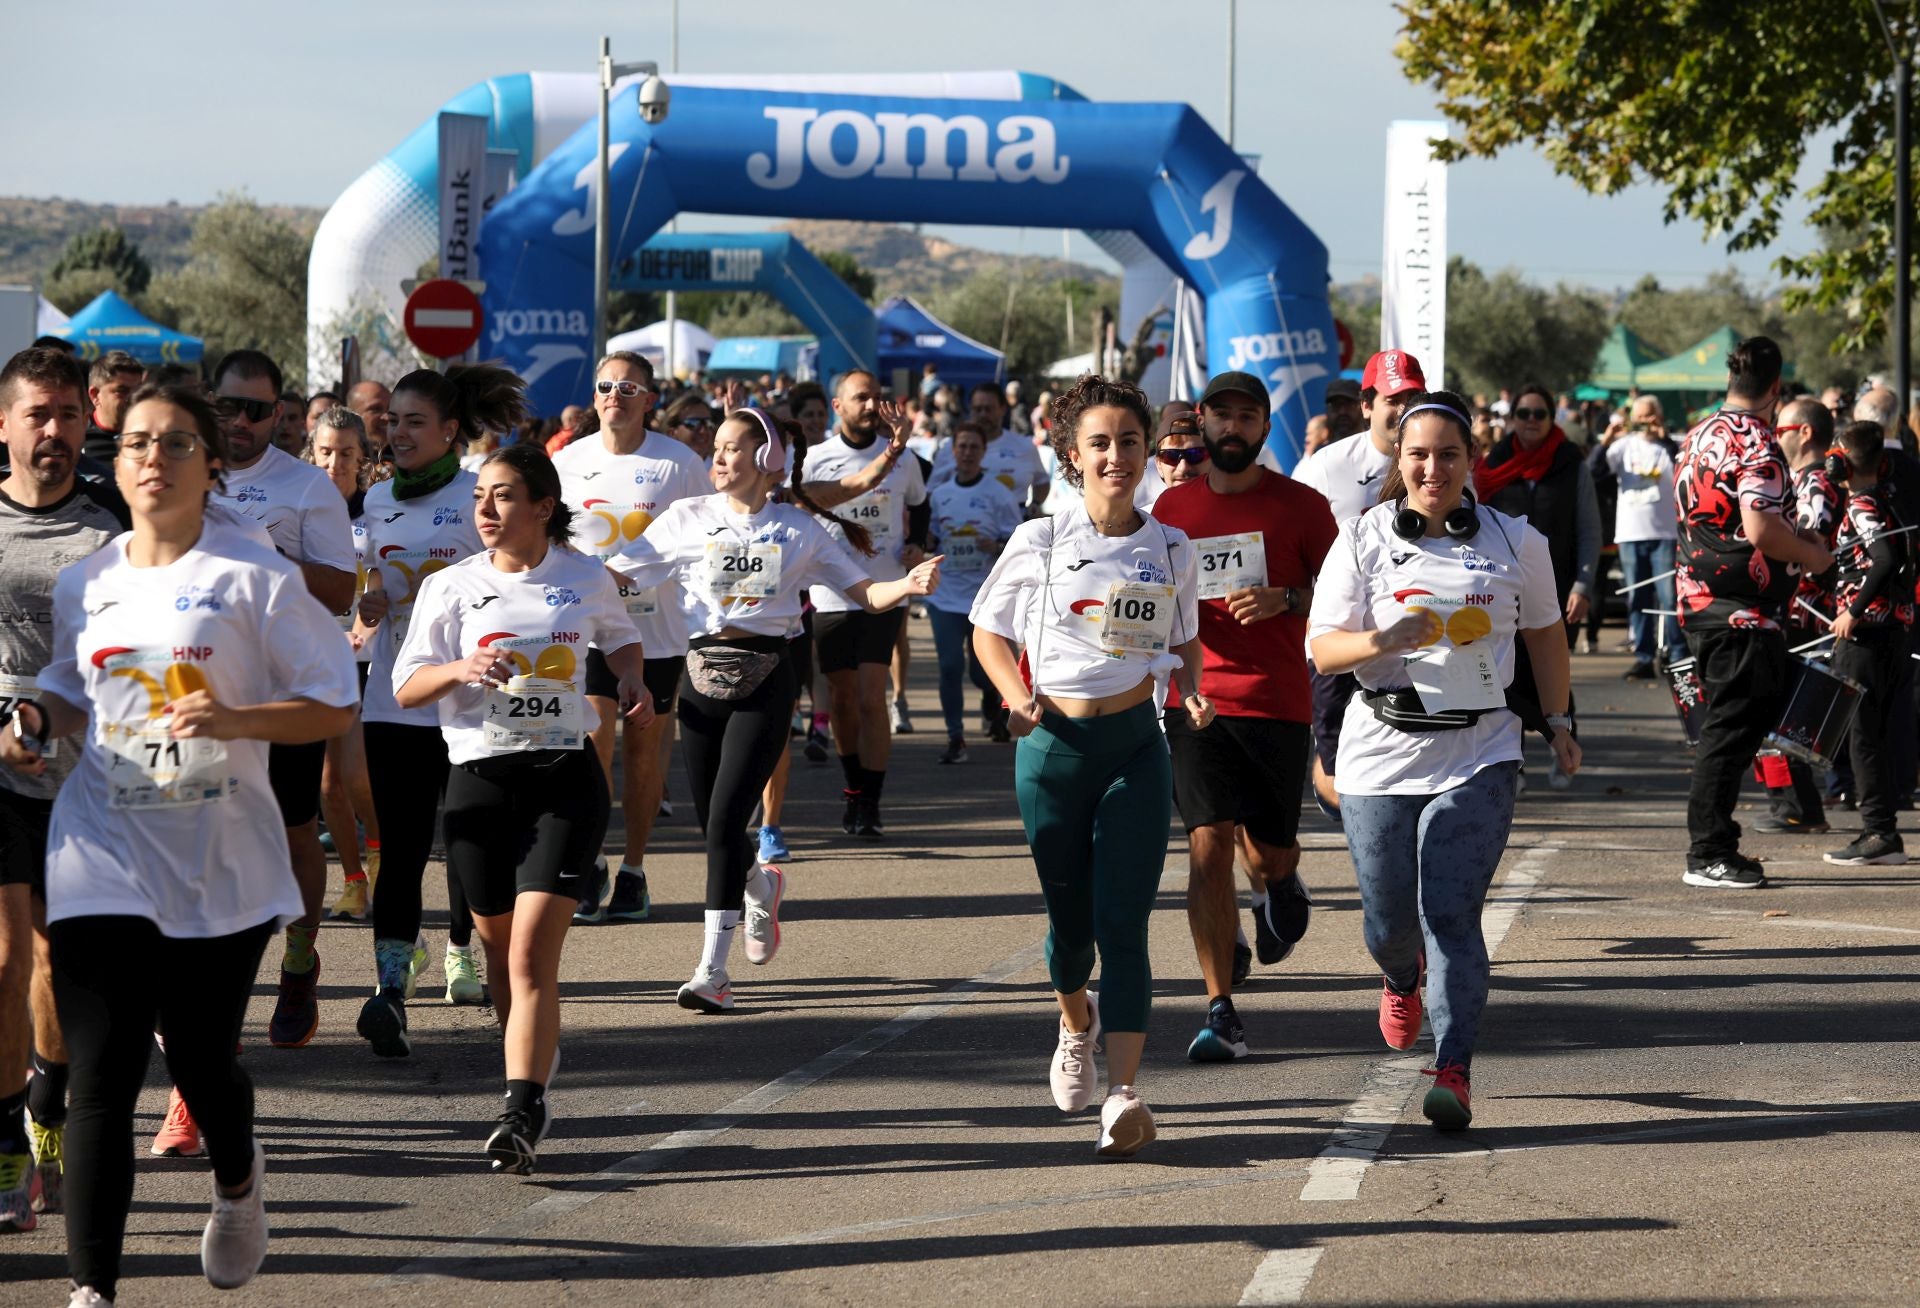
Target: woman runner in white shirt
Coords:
[[1424, 597], [498, 644], [183, 649], [972, 516], [743, 565], [1106, 603]]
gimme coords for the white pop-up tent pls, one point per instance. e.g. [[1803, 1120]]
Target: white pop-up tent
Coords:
[[692, 345]]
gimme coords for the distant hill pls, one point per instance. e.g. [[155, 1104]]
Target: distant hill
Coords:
[[906, 262], [34, 231]]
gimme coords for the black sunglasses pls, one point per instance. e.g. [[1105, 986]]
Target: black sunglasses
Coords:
[[1533, 415], [1190, 454], [233, 406]]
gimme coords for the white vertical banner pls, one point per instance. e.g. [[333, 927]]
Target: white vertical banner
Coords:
[[1413, 282], [499, 179], [463, 174]]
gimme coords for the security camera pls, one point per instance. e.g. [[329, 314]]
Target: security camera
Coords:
[[654, 95]]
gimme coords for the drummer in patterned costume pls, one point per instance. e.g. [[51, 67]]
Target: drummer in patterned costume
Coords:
[[1740, 554], [1805, 431], [1873, 593]]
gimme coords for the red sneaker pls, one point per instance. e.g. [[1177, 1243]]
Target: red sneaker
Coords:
[[1447, 1105], [1399, 1016], [179, 1137]]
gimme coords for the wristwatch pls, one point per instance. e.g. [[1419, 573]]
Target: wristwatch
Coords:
[[1292, 597], [1560, 721]]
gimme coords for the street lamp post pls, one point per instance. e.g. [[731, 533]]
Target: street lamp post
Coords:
[[653, 108]]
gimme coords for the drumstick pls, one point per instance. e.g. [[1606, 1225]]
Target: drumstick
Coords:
[[1818, 640], [1818, 616], [1662, 577]]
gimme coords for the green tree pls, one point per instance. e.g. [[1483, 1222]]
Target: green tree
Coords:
[[245, 284], [848, 269], [1033, 318], [100, 260], [1715, 101], [1504, 331]]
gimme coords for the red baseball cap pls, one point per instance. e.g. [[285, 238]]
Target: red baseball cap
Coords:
[[1393, 372]]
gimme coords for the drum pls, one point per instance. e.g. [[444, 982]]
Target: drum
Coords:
[[1819, 710], [1689, 698]]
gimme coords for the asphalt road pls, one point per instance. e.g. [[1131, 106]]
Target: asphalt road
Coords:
[[1681, 1095]]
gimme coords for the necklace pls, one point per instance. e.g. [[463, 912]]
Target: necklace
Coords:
[[1119, 527]]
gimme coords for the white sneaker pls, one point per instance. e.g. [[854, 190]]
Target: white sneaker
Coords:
[[1125, 1124], [762, 917], [88, 1297], [463, 977], [707, 992], [1074, 1075], [1557, 779], [235, 1242], [898, 718]]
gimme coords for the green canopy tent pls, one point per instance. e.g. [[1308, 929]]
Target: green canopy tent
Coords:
[[1690, 380], [1617, 366]]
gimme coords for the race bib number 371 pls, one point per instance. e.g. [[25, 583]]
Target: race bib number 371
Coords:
[[1230, 563]]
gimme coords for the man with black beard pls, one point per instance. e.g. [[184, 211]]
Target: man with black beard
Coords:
[[1259, 538]]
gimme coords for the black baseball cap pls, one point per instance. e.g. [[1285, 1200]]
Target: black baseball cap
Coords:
[[1343, 387], [1237, 383]]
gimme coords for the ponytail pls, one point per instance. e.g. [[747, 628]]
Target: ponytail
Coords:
[[479, 396], [857, 536]]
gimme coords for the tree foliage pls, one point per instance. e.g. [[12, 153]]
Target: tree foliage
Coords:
[[100, 260], [245, 285], [1504, 331], [848, 269], [1716, 101], [1033, 319]]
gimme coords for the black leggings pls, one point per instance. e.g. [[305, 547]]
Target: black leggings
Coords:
[[525, 822], [407, 767], [732, 747], [112, 977]]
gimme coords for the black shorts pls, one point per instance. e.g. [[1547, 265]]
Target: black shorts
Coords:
[[1330, 698], [23, 840], [294, 771], [1248, 771], [800, 655], [661, 675], [843, 641], [524, 822]]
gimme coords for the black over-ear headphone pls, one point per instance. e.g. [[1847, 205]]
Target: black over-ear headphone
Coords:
[[1463, 523]]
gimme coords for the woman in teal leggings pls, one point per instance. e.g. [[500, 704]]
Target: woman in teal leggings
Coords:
[[1104, 601]]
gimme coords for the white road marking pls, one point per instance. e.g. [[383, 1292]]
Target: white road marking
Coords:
[[1282, 1277]]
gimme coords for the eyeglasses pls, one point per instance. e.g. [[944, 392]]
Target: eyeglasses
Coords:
[[695, 424], [175, 445], [627, 389], [1791, 426], [233, 406], [1533, 415], [1190, 454]]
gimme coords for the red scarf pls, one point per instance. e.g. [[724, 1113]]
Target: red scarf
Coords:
[[1525, 465]]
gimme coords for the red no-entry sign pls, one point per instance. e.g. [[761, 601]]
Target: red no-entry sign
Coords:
[[443, 318]]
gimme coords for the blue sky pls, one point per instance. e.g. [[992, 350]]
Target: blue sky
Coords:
[[290, 102]]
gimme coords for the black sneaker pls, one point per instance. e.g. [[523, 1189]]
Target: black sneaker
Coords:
[[630, 902], [1283, 921], [1775, 825], [383, 1024], [850, 819], [590, 910], [1242, 962], [1870, 848], [816, 748], [512, 1146], [867, 820], [1639, 672], [1734, 873], [1222, 1039], [956, 751]]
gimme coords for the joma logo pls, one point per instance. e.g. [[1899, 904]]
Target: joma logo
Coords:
[[845, 143]]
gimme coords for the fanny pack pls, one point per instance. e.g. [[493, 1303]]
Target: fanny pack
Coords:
[[1403, 711], [730, 671]]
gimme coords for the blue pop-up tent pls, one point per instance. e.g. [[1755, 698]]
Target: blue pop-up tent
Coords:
[[752, 355], [910, 338], [110, 323]]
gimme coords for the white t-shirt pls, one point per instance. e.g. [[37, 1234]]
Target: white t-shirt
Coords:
[[1095, 613], [299, 506], [1011, 459], [616, 497], [1644, 509], [882, 510], [1487, 589], [237, 618], [409, 541], [1349, 472], [962, 518], [739, 571], [543, 620]]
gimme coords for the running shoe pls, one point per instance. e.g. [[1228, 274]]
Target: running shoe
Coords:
[[867, 824], [1558, 780], [762, 918], [631, 902], [798, 726], [590, 910], [1400, 1016], [1640, 671], [956, 750], [416, 964], [326, 839], [707, 992], [773, 845], [296, 1013], [1773, 824], [235, 1243], [179, 1135], [1869, 848], [19, 1193], [666, 807], [49, 1146], [850, 819], [899, 719], [1734, 873], [816, 746], [1447, 1105], [513, 1146], [1222, 1039], [1125, 1124], [354, 903], [383, 1024], [1242, 962], [1282, 921], [463, 976], [85, 1296], [1074, 1075]]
